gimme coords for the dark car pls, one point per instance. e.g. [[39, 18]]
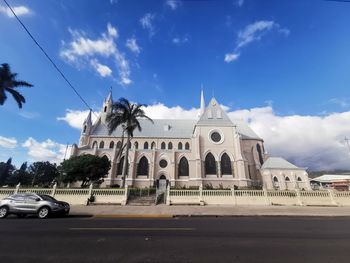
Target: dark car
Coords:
[[31, 203]]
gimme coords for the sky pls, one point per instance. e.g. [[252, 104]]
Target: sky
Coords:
[[281, 65]]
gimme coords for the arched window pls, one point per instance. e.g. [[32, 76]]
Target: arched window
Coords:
[[129, 145], [299, 179], [287, 179], [183, 167], [119, 145], [111, 145], [142, 166], [94, 145], [210, 164], [153, 145], [84, 129], [120, 166], [187, 146], [225, 164], [105, 109], [145, 145], [170, 145], [261, 159], [162, 146], [136, 144], [102, 144], [275, 182], [179, 146]]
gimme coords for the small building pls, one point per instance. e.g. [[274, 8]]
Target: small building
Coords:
[[336, 181], [279, 174]]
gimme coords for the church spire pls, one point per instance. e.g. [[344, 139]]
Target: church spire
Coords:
[[202, 109], [88, 120], [109, 97]]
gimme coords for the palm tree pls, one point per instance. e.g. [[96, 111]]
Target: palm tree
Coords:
[[126, 115], [8, 83]]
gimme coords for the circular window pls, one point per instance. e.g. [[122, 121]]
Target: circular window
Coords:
[[163, 163], [215, 136]]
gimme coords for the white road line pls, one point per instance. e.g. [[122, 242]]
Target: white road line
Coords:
[[130, 229]]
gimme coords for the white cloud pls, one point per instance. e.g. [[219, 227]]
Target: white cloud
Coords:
[[229, 57], [173, 4], [45, 151], [103, 70], [75, 118], [83, 51], [240, 3], [255, 31], [133, 46], [180, 40], [8, 142], [19, 11], [147, 23], [308, 141]]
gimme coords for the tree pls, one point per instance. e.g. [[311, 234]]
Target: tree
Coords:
[[43, 173], [8, 83], [126, 114], [20, 175], [6, 170], [84, 168]]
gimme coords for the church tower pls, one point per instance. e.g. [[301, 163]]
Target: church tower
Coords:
[[87, 126], [202, 108], [107, 107]]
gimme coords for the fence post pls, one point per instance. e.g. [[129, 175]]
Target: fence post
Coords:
[[234, 196], [17, 188], [126, 193], [168, 201], [331, 195], [201, 201], [297, 191], [54, 190], [266, 195]]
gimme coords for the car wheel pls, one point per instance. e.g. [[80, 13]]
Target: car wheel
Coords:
[[4, 211], [43, 212]]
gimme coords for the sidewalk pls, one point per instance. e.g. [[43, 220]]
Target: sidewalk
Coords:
[[209, 210]]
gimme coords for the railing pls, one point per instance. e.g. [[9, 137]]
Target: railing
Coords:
[[257, 197], [74, 196]]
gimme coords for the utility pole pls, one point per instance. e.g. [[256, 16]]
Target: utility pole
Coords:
[[347, 143]]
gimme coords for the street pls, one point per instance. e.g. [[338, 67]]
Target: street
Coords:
[[185, 239]]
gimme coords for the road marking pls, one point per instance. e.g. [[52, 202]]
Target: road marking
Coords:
[[132, 229]]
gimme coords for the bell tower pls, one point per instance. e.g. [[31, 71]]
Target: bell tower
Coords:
[[107, 106], [85, 132]]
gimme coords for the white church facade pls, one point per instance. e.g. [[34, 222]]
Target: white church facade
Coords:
[[213, 151]]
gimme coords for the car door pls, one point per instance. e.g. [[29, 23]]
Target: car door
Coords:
[[32, 203], [17, 204]]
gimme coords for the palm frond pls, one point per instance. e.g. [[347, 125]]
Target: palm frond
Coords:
[[17, 96]]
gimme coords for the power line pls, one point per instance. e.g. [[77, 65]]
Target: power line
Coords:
[[49, 58]]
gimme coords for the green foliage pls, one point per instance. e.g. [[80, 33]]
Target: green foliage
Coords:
[[20, 176], [84, 168], [6, 170], [43, 173], [8, 83]]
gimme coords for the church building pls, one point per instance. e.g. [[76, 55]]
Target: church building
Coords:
[[213, 151]]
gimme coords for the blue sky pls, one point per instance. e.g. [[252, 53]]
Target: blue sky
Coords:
[[278, 64]]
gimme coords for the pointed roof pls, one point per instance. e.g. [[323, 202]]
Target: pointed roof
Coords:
[[88, 120], [279, 163], [202, 109], [109, 97], [214, 115]]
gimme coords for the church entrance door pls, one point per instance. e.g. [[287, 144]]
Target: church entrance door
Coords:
[[162, 183]]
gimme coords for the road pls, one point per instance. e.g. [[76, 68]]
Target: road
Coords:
[[225, 239]]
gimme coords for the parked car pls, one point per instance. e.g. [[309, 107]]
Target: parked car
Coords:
[[31, 203]]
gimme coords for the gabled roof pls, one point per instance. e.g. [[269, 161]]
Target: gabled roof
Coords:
[[279, 163], [328, 178], [161, 128], [214, 115]]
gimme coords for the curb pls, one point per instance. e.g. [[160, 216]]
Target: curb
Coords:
[[133, 216]]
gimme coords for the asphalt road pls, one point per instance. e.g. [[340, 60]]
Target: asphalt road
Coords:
[[229, 239]]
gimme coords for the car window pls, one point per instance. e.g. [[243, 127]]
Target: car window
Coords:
[[47, 198], [31, 198], [18, 197]]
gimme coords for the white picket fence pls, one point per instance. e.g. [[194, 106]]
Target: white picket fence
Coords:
[[257, 197], [75, 196]]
